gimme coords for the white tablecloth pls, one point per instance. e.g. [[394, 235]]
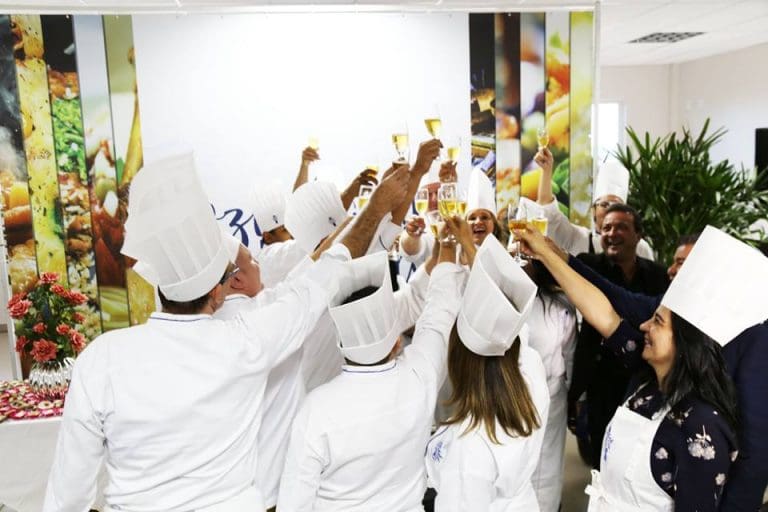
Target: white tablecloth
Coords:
[[26, 455]]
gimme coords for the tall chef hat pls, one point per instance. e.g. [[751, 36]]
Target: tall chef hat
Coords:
[[268, 207], [496, 303], [367, 328], [172, 233], [720, 307], [612, 179], [313, 212], [480, 193]]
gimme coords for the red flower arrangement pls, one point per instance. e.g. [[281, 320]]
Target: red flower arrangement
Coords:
[[46, 321]]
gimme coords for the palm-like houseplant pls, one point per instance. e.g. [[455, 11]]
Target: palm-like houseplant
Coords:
[[679, 190]]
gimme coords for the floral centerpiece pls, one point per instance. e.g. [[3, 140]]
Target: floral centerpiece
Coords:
[[46, 321]]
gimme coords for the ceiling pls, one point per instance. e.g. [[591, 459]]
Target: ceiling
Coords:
[[727, 25]]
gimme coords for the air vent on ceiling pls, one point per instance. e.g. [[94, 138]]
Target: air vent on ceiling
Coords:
[[665, 37]]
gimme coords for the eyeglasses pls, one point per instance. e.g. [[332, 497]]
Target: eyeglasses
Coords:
[[604, 204], [229, 273]]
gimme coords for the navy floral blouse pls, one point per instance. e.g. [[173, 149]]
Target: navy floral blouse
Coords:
[[693, 447]]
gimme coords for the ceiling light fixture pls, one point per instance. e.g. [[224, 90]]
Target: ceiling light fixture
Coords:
[[666, 37]]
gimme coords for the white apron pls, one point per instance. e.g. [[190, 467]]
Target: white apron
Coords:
[[247, 501], [625, 483]]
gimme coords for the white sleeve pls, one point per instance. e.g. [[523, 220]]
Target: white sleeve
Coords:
[[277, 260], [81, 441], [385, 235], [306, 458], [426, 242], [410, 299], [644, 250], [428, 352], [284, 323], [383, 238], [572, 238]]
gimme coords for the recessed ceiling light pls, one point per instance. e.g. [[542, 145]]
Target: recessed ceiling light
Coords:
[[665, 37]]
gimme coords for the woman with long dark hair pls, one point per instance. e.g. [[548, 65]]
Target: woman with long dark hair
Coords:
[[484, 455], [671, 443]]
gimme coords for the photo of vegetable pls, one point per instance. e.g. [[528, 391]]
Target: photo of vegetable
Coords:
[[124, 100], [543, 87], [582, 69], [482, 67], [107, 218], [69, 146], [507, 110], [64, 177], [16, 207], [37, 128]]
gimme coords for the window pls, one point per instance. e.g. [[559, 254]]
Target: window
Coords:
[[611, 124]]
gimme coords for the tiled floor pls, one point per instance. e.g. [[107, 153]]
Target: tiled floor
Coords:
[[575, 479]]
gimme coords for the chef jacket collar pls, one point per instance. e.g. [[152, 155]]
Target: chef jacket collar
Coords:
[[379, 368], [171, 317]]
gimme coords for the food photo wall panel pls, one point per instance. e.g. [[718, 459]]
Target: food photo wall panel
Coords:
[[70, 142]]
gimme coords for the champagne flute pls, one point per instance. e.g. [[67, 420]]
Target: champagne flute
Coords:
[[461, 205], [516, 219], [435, 221], [400, 140], [434, 124], [541, 223], [542, 137], [447, 200], [454, 149], [313, 142], [363, 196], [422, 202]]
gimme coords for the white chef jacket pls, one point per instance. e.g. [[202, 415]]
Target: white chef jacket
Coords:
[[552, 334], [575, 239], [553, 337], [470, 472], [357, 442], [175, 404], [282, 396], [426, 243], [277, 260], [321, 358]]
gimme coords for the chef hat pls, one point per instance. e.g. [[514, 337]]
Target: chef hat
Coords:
[[530, 209], [720, 306], [612, 179], [480, 194], [172, 233], [496, 303], [367, 328], [268, 207], [313, 212]]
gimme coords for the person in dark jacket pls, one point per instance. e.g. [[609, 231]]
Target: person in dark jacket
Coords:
[[595, 368], [746, 359]]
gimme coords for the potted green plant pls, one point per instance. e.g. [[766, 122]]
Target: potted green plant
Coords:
[[679, 190]]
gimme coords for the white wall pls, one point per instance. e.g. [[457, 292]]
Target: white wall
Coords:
[[645, 91], [246, 91], [732, 90]]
